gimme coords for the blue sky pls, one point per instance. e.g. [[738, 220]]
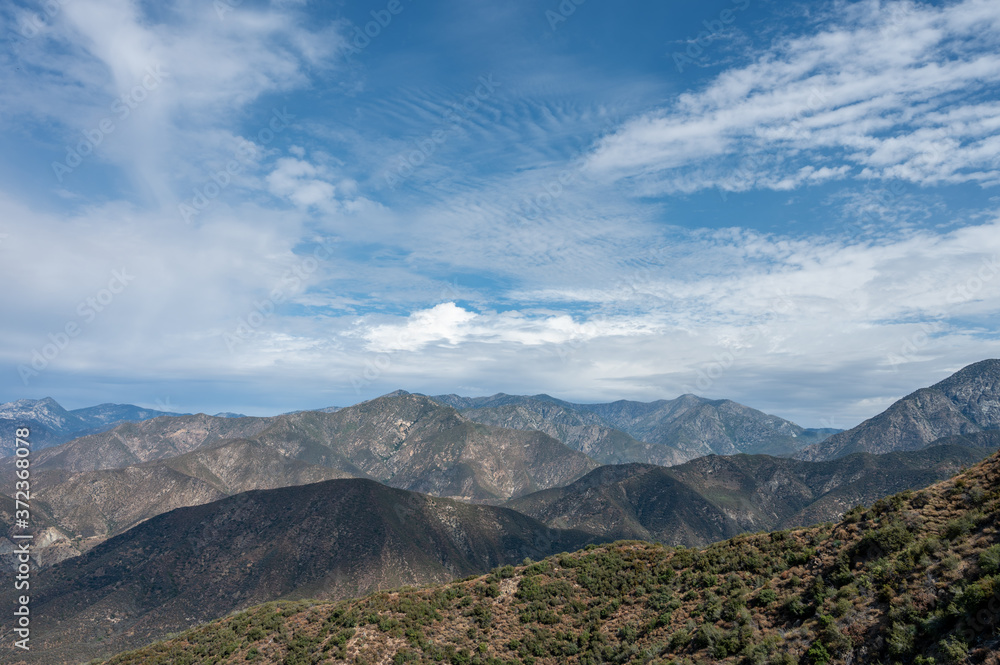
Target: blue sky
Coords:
[[259, 207]]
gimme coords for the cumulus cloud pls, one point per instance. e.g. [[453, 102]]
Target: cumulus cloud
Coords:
[[453, 325], [296, 179]]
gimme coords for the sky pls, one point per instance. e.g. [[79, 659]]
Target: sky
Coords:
[[259, 207]]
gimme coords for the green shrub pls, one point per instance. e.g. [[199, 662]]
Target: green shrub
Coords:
[[796, 608], [953, 650], [854, 515], [766, 597], [958, 527], [817, 655], [884, 540], [901, 637], [842, 607], [989, 560], [706, 636]]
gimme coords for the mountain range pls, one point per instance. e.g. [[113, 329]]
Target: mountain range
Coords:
[[120, 515], [334, 539], [52, 425], [688, 427], [716, 497], [912, 579], [103, 484]]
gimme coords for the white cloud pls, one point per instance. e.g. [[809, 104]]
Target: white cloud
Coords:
[[908, 112], [442, 322], [173, 126], [295, 179], [455, 325]]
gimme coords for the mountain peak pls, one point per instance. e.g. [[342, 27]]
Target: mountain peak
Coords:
[[966, 402]]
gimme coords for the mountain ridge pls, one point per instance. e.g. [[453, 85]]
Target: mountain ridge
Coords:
[[967, 402], [909, 579], [336, 538]]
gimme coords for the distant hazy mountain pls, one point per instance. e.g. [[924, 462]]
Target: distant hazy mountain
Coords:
[[407, 441], [965, 403], [700, 426], [580, 430], [500, 399], [715, 497], [334, 539], [109, 415], [51, 424], [328, 409], [45, 412], [692, 426]]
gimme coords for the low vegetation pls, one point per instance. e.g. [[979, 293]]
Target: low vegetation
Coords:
[[915, 578]]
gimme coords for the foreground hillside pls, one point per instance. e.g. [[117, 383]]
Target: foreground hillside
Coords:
[[913, 579]]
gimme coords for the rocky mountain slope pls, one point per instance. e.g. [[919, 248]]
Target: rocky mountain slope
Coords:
[[699, 426], [912, 579], [714, 497], [333, 539], [965, 403], [80, 510], [101, 485], [404, 440], [135, 443], [50, 424], [411, 442], [692, 425], [580, 430]]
